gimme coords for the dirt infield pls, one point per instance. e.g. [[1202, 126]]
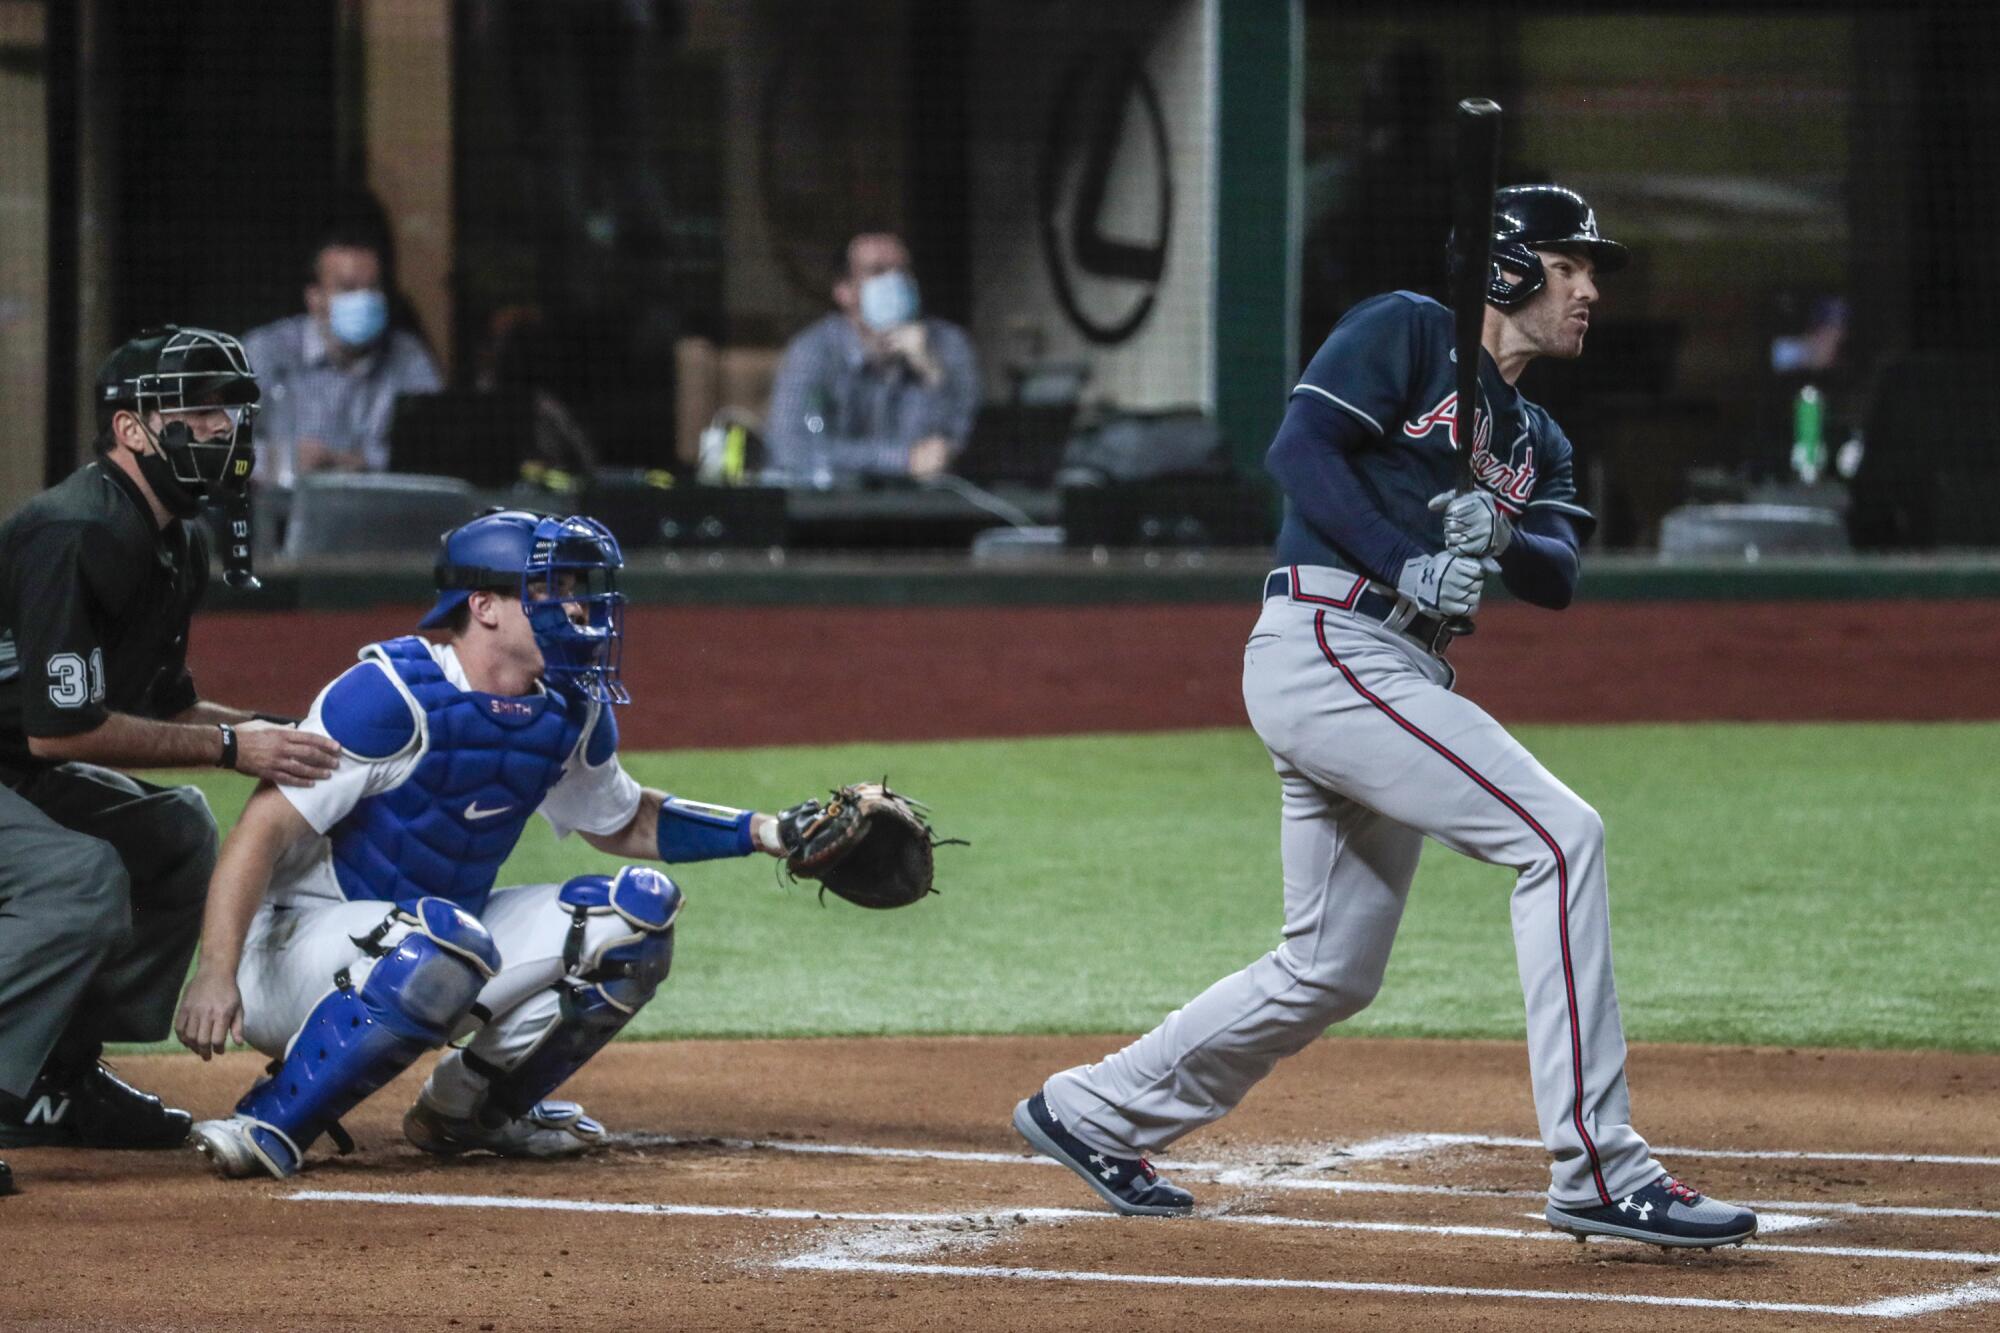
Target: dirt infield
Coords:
[[706, 676], [876, 1183], [843, 1184]]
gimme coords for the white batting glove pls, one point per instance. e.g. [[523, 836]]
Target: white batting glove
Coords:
[[1474, 523], [1447, 583]]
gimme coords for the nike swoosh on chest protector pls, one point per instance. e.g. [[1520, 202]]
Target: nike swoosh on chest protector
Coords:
[[473, 810]]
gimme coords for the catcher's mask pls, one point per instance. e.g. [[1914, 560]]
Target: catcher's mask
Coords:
[[178, 372], [565, 571]]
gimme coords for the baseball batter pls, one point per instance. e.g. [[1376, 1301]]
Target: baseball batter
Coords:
[[1346, 682]]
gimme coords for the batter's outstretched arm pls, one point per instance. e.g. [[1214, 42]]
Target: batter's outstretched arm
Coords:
[[212, 1010], [1540, 566], [1309, 460]]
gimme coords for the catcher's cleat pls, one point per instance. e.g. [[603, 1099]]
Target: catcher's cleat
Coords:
[[6, 1179], [1665, 1213], [549, 1130], [1129, 1184], [81, 1104], [232, 1148]]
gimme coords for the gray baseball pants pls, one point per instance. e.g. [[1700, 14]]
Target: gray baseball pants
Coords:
[[102, 882], [1375, 753]]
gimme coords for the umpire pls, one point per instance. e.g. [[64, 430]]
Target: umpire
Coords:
[[102, 876]]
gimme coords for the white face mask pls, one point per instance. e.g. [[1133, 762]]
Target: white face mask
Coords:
[[888, 299]]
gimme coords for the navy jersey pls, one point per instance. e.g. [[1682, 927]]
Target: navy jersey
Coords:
[[1388, 365]]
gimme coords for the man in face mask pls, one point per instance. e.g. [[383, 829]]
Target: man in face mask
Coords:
[[103, 876], [876, 388], [332, 375]]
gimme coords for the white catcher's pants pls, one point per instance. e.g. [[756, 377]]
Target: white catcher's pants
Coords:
[[1375, 753], [292, 954]]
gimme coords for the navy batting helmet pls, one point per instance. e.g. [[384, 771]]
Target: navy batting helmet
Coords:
[[1527, 218], [565, 571]]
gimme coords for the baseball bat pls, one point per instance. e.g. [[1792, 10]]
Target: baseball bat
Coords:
[[1475, 173]]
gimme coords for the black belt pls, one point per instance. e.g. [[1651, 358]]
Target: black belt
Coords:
[[1434, 632]]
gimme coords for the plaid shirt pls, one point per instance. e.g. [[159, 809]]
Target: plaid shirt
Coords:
[[308, 397], [835, 414]]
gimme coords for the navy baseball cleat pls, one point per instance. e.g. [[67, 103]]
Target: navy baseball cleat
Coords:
[[6, 1179], [1665, 1213], [1129, 1184]]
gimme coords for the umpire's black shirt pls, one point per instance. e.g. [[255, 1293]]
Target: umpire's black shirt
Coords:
[[95, 599]]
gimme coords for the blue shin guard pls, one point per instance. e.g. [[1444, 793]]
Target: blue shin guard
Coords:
[[432, 961], [620, 945]]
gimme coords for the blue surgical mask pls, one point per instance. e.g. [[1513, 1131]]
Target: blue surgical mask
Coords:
[[357, 318], [888, 299]]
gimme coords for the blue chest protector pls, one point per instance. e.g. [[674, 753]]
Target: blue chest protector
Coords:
[[488, 761]]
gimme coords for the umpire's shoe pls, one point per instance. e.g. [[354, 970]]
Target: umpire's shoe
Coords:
[[1129, 1184], [549, 1130], [1665, 1213], [78, 1103], [6, 1179]]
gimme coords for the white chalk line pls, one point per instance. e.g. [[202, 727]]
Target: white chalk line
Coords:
[[1410, 1145], [872, 1150], [1894, 1308], [1405, 1145], [533, 1204], [1285, 1176], [961, 1217], [1373, 1150], [1816, 1207], [1951, 1298]]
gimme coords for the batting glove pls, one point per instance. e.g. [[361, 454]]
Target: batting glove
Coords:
[[1474, 523], [1447, 583]]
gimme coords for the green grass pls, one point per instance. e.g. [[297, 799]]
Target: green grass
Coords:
[[1824, 885]]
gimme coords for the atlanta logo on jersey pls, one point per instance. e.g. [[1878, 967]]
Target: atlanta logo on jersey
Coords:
[[1446, 414], [1511, 482]]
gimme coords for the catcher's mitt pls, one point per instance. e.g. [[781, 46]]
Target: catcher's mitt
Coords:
[[868, 844]]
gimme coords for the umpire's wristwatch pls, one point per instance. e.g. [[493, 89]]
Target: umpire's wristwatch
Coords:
[[228, 759]]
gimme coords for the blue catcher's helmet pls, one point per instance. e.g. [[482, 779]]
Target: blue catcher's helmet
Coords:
[[565, 571]]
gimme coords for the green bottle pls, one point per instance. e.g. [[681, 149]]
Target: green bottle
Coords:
[[1809, 435]]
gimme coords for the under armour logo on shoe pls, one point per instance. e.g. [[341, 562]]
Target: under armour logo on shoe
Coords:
[[1109, 1170], [47, 1110], [1625, 1205]]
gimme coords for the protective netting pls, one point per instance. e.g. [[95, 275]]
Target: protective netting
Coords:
[[1807, 192], [602, 222]]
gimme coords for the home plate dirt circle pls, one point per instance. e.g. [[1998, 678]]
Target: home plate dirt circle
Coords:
[[841, 1183]]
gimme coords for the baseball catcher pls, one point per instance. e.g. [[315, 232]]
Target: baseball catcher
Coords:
[[869, 845], [354, 926]]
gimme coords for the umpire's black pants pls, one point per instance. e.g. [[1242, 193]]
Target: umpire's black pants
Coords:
[[102, 881]]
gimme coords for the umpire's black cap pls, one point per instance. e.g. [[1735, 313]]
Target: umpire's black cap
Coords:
[[174, 368]]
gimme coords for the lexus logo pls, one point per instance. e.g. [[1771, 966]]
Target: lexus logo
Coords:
[[1106, 195]]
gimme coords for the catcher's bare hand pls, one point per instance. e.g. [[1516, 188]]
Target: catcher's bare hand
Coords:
[[285, 755], [211, 1013]]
